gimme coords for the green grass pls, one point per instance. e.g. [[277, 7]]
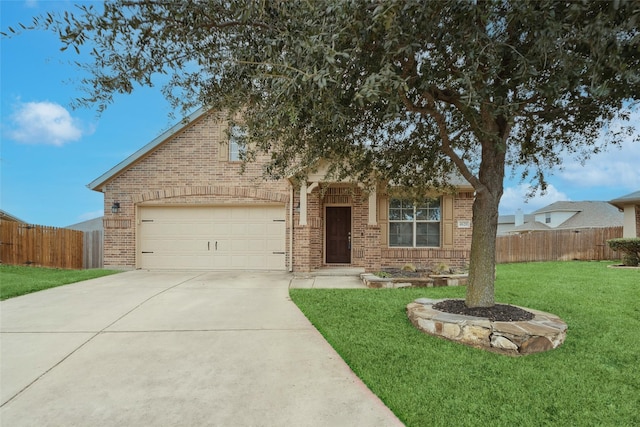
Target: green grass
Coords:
[[17, 280], [593, 379]]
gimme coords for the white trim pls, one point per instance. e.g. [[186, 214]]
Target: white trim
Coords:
[[303, 203], [373, 208]]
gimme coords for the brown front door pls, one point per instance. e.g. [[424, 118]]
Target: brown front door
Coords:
[[338, 235]]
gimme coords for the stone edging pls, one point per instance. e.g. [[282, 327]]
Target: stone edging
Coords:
[[372, 281], [623, 267], [544, 332]]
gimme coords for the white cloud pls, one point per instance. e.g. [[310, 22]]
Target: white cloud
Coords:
[[44, 123], [616, 166], [515, 198]]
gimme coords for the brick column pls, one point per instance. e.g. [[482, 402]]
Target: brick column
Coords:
[[372, 249]]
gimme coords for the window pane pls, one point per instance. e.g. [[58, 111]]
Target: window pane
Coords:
[[400, 210], [407, 210], [395, 214], [401, 234], [428, 234], [428, 210], [407, 214], [236, 140]]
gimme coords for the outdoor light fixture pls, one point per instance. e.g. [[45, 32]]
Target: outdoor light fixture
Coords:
[[115, 207]]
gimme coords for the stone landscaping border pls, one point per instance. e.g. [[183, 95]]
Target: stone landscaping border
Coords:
[[544, 332], [372, 281], [623, 267]]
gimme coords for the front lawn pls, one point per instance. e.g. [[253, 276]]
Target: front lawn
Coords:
[[18, 280], [592, 379]]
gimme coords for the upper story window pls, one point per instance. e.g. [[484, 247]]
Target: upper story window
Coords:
[[414, 224], [547, 218], [237, 135]]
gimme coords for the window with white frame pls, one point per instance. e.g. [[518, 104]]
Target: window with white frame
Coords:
[[237, 135], [414, 224]]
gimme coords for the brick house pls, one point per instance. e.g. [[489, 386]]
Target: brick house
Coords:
[[181, 201]]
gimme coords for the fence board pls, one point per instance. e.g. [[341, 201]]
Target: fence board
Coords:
[[42, 246], [93, 252], [558, 245]]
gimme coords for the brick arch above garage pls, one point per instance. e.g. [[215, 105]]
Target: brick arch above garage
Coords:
[[227, 191]]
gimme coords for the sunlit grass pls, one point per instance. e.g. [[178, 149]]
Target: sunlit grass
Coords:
[[18, 280], [592, 379]]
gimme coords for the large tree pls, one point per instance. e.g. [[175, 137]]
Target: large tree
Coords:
[[409, 91]]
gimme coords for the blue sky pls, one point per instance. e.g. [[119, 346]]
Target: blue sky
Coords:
[[50, 152]]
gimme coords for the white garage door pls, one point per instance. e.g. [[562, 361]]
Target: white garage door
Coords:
[[212, 238]]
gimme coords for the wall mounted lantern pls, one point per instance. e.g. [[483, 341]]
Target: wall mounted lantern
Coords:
[[115, 207]]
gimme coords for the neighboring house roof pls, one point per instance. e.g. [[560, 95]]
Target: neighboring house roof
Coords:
[[123, 165], [8, 217], [95, 224], [589, 214], [629, 199], [507, 224], [511, 219], [530, 226]]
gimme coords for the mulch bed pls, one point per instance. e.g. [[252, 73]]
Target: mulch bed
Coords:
[[497, 313]]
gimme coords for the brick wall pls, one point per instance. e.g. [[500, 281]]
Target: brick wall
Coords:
[[191, 167], [455, 256], [188, 168], [369, 249]]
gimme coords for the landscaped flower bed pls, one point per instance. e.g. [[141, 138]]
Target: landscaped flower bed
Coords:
[[412, 277]]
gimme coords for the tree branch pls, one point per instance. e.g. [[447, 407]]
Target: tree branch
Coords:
[[445, 147]]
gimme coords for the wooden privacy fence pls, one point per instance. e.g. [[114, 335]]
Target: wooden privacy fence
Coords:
[[37, 245], [584, 244], [93, 252]]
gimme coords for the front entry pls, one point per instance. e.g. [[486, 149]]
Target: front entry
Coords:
[[338, 235]]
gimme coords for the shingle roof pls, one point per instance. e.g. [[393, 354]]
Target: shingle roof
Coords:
[[593, 215], [588, 214], [530, 226], [632, 198]]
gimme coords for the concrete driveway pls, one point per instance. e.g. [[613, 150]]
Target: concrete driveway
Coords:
[[175, 348]]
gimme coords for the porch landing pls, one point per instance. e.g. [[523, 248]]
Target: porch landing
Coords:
[[329, 278]]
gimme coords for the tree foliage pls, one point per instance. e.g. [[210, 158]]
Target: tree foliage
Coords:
[[404, 90]]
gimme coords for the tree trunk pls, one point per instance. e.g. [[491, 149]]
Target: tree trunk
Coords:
[[482, 263], [480, 289]]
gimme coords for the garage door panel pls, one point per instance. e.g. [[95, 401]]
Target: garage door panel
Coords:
[[274, 246], [153, 261], [176, 246], [244, 246], [218, 237]]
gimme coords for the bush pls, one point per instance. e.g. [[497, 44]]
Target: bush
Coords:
[[630, 248]]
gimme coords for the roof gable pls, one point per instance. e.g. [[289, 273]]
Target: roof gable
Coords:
[[97, 183]]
